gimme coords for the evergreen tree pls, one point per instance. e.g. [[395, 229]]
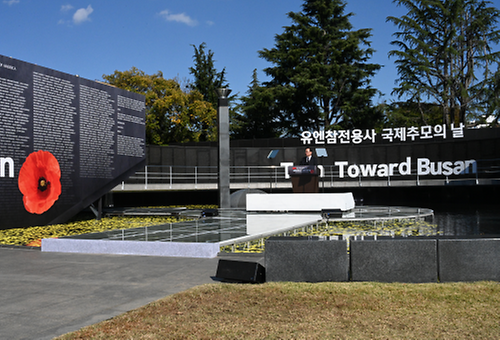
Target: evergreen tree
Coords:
[[399, 114], [255, 121], [445, 53], [206, 78], [207, 81], [321, 75]]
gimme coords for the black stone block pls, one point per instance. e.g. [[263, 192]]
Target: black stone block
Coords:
[[394, 260], [469, 259], [302, 260]]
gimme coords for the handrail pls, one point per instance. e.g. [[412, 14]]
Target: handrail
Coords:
[[272, 176]]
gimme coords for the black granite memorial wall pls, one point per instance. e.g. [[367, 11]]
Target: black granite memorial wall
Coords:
[[478, 149], [64, 142], [482, 145]]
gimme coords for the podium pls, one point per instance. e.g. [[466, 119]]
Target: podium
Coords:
[[304, 178]]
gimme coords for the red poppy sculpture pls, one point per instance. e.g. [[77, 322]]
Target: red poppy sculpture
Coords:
[[40, 181]]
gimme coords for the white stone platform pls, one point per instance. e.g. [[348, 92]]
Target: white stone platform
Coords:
[[174, 249], [212, 233], [300, 202]]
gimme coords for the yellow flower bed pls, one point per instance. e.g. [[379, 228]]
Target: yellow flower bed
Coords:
[[32, 235], [397, 227]]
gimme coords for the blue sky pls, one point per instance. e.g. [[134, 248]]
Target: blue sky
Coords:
[[92, 38]]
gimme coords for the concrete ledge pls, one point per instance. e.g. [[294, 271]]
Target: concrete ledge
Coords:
[[469, 259], [299, 202], [174, 249], [306, 260], [394, 260]]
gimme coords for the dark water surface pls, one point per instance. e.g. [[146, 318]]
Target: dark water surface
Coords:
[[458, 210], [467, 220]]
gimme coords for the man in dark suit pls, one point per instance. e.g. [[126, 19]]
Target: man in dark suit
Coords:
[[309, 159]]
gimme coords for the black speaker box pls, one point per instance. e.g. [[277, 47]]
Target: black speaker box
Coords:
[[241, 271]]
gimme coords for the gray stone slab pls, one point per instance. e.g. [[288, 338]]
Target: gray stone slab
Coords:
[[394, 260], [44, 295], [469, 259], [306, 260]]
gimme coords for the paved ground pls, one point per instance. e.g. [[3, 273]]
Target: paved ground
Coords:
[[44, 295]]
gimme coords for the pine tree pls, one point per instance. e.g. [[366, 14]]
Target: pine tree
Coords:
[[206, 78], [321, 75], [445, 54], [255, 121]]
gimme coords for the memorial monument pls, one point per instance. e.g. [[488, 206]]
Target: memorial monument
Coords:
[[65, 141]]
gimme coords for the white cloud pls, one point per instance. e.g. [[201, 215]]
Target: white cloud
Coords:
[[66, 8], [11, 2], [182, 18], [82, 15]]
